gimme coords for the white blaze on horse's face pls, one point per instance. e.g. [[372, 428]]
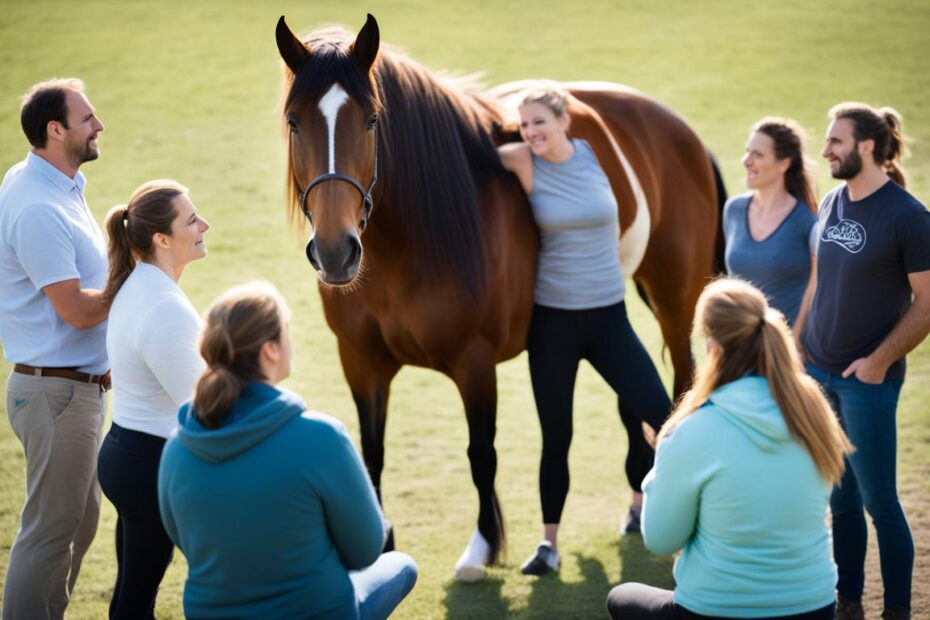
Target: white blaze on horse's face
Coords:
[[330, 103]]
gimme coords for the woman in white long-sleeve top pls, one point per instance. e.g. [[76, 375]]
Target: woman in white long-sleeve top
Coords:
[[152, 347], [742, 476]]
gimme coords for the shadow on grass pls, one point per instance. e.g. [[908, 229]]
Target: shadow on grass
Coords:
[[641, 565], [471, 601], [552, 598]]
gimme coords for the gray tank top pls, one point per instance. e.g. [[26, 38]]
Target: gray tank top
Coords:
[[576, 212]]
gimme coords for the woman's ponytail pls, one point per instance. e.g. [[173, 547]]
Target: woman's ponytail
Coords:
[[237, 326], [130, 229], [750, 337], [119, 252]]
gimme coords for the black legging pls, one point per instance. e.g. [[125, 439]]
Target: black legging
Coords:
[[128, 472], [557, 341], [636, 601]]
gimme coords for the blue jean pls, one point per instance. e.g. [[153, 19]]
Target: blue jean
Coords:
[[383, 585], [867, 412]]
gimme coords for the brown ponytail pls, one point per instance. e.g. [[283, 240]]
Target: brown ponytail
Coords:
[[119, 252], [238, 324], [883, 126], [130, 229], [755, 338]]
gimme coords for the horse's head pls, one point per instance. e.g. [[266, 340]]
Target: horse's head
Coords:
[[331, 110]]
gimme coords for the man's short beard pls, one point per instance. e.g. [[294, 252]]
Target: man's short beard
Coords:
[[81, 152], [849, 166]]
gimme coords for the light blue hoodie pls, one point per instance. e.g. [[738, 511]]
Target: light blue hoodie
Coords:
[[745, 502], [271, 510]]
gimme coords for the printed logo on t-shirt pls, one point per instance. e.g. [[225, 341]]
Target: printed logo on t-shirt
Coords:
[[849, 234]]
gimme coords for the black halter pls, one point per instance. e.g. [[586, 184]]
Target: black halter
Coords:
[[367, 201]]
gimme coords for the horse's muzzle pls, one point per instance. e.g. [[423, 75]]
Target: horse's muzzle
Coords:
[[338, 264]]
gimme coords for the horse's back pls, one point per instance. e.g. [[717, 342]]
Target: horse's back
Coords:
[[666, 155]]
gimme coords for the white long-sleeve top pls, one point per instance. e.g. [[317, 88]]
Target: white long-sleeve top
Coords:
[[152, 346]]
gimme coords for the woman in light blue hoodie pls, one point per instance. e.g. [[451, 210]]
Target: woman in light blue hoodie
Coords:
[[270, 503], [742, 477]]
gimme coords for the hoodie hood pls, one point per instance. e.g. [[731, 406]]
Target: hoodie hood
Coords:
[[747, 404], [259, 411]]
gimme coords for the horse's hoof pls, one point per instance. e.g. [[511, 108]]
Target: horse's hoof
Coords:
[[471, 564], [470, 574]]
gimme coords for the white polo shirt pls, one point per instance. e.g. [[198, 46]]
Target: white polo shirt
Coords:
[[47, 235]]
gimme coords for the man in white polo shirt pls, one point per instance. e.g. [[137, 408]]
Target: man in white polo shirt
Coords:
[[53, 327]]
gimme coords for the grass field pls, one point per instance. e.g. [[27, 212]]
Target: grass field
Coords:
[[189, 90]]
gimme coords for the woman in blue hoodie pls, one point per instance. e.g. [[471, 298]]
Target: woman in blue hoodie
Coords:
[[269, 502], [742, 477]]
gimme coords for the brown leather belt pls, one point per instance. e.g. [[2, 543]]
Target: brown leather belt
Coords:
[[65, 373]]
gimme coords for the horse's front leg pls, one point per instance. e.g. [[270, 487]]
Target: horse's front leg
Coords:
[[476, 379], [369, 379]]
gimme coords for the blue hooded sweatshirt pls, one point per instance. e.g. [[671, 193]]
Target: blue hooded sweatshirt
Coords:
[[271, 510], [746, 503]]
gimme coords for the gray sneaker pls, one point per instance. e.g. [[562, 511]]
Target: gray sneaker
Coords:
[[631, 524], [544, 560]]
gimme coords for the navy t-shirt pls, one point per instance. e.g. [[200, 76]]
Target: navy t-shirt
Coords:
[[866, 250]]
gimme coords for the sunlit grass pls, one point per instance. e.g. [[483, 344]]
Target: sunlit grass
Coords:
[[189, 90]]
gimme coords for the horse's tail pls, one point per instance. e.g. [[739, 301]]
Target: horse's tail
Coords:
[[720, 266], [644, 296]]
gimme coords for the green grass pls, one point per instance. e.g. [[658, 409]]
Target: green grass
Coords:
[[189, 90]]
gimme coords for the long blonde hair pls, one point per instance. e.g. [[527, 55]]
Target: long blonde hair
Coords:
[[755, 338]]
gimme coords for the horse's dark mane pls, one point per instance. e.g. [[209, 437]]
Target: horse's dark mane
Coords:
[[437, 148]]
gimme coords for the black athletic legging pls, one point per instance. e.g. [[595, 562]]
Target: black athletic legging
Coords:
[[637, 601], [127, 468], [557, 341]]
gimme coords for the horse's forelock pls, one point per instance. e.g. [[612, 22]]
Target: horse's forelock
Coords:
[[330, 63], [439, 148]]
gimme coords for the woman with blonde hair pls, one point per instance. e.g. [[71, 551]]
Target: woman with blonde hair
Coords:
[[152, 347], [579, 309], [269, 502], [743, 473]]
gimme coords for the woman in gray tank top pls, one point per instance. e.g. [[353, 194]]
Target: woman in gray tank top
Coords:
[[770, 231], [579, 312]]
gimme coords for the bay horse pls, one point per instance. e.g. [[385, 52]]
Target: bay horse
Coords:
[[380, 148]]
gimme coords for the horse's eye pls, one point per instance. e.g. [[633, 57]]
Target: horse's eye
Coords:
[[292, 125], [372, 121]]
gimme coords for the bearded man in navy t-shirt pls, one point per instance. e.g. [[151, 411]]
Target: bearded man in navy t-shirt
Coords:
[[870, 307]]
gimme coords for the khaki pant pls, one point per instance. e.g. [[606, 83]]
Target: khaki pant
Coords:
[[59, 423]]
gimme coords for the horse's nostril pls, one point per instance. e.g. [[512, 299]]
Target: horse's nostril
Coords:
[[311, 255], [354, 255]]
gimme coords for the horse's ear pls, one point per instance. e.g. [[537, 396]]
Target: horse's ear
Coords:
[[365, 48], [290, 47]]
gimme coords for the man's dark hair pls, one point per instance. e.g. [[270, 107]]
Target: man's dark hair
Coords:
[[883, 126], [43, 103]]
